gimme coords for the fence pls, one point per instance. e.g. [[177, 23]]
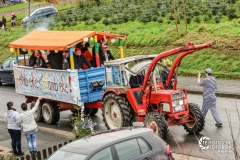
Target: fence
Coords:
[[45, 153]]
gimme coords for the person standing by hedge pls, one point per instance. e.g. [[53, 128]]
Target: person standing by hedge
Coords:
[[14, 128], [13, 19], [4, 20], [29, 125], [209, 98]]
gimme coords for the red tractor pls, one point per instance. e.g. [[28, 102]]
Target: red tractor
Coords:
[[157, 106]]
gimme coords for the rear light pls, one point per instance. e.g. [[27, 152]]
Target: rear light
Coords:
[[169, 152], [168, 149]]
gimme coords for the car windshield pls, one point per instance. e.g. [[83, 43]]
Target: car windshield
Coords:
[[67, 156]]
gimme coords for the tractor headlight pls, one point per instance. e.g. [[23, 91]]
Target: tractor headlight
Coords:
[[177, 102]]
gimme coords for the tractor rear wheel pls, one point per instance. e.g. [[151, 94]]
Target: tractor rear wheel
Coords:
[[157, 123], [116, 111], [199, 122], [94, 111], [38, 114]]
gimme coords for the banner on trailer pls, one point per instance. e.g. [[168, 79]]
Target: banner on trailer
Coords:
[[59, 85]]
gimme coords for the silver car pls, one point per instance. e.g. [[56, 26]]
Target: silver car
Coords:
[[122, 144]]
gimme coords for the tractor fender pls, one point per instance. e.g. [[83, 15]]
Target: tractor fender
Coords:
[[117, 92]]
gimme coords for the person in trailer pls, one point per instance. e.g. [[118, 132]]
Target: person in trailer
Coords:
[[79, 60], [36, 60]]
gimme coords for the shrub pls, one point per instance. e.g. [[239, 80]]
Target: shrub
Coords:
[[105, 21], [217, 19], [171, 17], [154, 18], [97, 16], [197, 19], [90, 22], [189, 19], [206, 18], [160, 20]]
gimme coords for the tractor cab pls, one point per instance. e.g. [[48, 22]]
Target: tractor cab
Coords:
[[118, 72]]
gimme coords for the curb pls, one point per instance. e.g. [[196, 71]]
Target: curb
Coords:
[[218, 94]]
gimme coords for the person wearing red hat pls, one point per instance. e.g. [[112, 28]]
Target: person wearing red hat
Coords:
[[36, 60], [79, 60], [13, 19]]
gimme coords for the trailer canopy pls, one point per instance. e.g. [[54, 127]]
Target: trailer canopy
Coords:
[[57, 40]]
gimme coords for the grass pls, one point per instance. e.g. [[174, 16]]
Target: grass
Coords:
[[154, 37]]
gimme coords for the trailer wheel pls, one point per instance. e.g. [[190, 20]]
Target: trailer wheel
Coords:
[[87, 111], [38, 114], [94, 111], [56, 112], [157, 123], [48, 112], [199, 122], [116, 111]]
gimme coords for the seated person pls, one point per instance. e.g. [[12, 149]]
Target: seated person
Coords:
[[66, 60], [79, 60], [136, 81], [36, 60], [86, 53], [105, 55], [55, 59]]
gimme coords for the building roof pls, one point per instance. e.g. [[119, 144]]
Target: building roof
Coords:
[[57, 40], [86, 146]]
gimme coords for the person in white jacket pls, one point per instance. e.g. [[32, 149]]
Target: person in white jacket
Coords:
[[29, 125]]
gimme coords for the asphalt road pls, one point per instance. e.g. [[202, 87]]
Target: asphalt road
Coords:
[[179, 140]]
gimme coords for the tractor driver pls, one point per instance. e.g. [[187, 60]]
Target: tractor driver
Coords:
[[165, 72], [136, 81]]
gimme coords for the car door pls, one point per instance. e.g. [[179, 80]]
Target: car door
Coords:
[[9, 72], [133, 149], [3, 71]]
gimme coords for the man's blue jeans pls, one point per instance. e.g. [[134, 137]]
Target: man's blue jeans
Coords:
[[32, 142]]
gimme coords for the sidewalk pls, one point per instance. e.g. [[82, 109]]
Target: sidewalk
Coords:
[[44, 139], [225, 88]]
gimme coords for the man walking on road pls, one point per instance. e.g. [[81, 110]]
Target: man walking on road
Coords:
[[14, 128], [209, 98], [30, 126]]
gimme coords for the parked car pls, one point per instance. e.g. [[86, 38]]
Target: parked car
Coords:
[[6, 71], [122, 144], [40, 13]]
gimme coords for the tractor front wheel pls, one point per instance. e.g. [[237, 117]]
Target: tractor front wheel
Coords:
[[157, 123], [116, 111], [198, 123]]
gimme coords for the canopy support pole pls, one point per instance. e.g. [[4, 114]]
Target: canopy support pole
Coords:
[[16, 54], [97, 46], [121, 48], [71, 58]]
